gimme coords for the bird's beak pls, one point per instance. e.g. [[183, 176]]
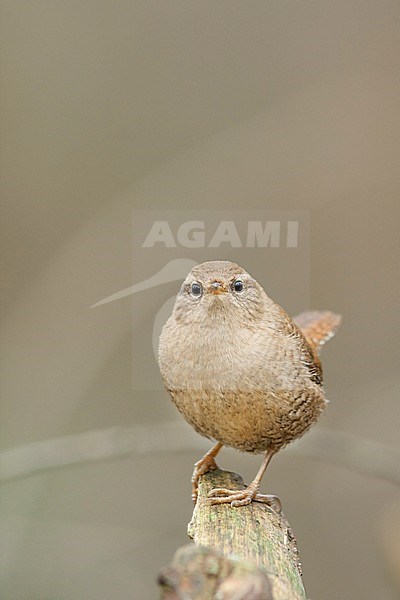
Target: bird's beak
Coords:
[[217, 288]]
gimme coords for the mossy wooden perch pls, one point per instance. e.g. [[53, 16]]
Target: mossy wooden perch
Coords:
[[241, 553]]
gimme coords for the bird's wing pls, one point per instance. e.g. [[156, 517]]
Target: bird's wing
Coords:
[[317, 326]]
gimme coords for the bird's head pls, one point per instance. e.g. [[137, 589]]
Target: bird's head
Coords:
[[219, 289]]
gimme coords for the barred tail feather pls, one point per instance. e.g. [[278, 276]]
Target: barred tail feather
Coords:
[[317, 326]]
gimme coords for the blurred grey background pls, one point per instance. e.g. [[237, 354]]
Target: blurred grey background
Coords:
[[114, 106]]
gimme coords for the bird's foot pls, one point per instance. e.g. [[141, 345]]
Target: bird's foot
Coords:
[[244, 497], [205, 464]]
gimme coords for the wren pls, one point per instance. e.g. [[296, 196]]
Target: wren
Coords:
[[240, 370]]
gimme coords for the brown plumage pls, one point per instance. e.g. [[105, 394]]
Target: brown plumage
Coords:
[[240, 370], [317, 326]]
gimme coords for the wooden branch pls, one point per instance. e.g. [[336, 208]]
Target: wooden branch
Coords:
[[251, 549], [199, 573]]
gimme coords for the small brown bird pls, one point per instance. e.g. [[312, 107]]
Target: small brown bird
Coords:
[[240, 370]]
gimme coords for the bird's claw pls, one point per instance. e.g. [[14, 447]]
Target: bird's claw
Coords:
[[205, 464], [243, 497]]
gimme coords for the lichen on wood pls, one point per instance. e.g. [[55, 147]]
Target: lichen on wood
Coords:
[[254, 534], [199, 573], [244, 553]]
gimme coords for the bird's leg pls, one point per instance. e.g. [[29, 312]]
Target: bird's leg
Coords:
[[249, 494], [205, 464]]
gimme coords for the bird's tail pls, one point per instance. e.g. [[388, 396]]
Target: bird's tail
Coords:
[[317, 326]]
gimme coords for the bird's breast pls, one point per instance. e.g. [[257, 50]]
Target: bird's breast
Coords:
[[242, 387], [204, 358]]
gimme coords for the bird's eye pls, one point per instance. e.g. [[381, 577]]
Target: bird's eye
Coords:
[[237, 285], [196, 289]]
